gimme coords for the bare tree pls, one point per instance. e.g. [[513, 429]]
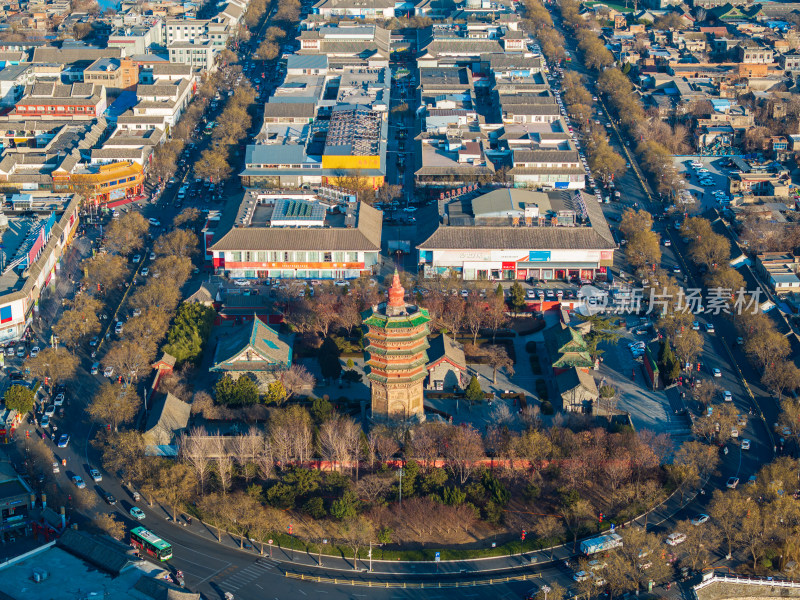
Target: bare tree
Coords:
[[464, 449], [498, 358], [195, 451], [109, 524], [357, 533], [223, 462], [297, 379]]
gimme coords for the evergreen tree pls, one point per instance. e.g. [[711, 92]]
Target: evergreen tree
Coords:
[[517, 297], [474, 393]]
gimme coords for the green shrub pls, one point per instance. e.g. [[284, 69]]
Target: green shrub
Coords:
[[547, 408], [315, 508]]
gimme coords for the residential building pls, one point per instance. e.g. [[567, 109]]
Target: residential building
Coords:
[[198, 54], [780, 270], [510, 234], [115, 74], [348, 46], [13, 80], [283, 235], [167, 99]]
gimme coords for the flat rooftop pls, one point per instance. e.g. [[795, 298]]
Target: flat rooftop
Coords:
[[68, 578]]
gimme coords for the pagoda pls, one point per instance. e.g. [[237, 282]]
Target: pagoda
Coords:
[[395, 356]]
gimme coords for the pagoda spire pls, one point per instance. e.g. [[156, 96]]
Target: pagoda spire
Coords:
[[396, 304]]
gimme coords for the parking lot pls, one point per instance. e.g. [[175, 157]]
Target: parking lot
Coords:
[[703, 182]]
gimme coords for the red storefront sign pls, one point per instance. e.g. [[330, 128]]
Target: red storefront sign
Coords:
[[509, 266]]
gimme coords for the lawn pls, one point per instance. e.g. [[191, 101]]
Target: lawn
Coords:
[[619, 7]]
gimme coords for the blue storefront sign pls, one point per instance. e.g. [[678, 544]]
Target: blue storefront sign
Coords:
[[539, 256]]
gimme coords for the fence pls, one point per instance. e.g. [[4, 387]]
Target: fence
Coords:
[[409, 585], [764, 581]]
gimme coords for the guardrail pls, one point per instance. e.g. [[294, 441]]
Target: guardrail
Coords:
[[406, 584], [747, 580]]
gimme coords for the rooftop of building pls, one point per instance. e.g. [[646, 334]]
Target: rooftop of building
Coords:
[[105, 65], [354, 130], [71, 571], [522, 220], [353, 227]]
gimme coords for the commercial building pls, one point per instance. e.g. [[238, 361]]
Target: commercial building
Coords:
[[33, 247], [55, 100], [15, 503], [108, 184], [351, 141], [512, 234], [296, 236]]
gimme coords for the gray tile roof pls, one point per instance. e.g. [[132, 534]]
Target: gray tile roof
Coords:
[[290, 109], [444, 347], [516, 238], [167, 420], [103, 552]]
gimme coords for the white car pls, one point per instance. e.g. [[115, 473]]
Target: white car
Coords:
[[137, 258], [700, 519], [154, 222], [95, 475], [732, 483], [108, 372], [145, 272], [137, 513], [717, 372], [50, 410], [241, 282], [58, 400], [581, 576], [118, 327], [727, 396], [152, 256], [745, 444], [673, 539]]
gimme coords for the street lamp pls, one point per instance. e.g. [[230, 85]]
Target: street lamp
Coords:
[[319, 555]]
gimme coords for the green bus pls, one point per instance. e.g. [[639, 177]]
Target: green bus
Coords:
[[147, 541]]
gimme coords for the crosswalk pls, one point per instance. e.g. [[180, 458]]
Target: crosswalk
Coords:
[[248, 575]]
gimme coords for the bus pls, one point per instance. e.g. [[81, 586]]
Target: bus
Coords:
[[150, 543]]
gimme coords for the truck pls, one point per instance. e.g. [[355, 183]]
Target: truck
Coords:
[[601, 543]]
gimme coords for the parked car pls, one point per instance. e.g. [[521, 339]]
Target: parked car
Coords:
[[63, 441], [745, 444], [58, 400], [732, 483], [673, 539], [34, 351]]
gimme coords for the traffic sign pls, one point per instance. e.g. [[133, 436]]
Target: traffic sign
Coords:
[[612, 528], [269, 542], [438, 557]]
